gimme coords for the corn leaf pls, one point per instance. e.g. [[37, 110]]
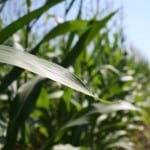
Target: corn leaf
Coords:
[[60, 29], [41, 67], [22, 106]]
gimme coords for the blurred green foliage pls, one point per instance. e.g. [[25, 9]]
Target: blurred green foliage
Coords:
[[45, 114]]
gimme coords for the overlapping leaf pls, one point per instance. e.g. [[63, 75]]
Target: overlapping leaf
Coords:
[[21, 107], [41, 67], [60, 29]]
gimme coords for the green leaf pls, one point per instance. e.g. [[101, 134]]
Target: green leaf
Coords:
[[41, 67], [16, 25], [121, 105], [81, 119], [21, 107], [60, 29], [28, 3], [77, 122], [85, 39], [9, 78], [43, 100]]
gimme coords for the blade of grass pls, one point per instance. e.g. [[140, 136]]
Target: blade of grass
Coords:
[[85, 40], [60, 29], [120, 105], [21, 107], [16, 25], [42, 67]]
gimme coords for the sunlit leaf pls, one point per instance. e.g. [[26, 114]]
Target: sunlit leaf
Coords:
[[41, 67], [60, 29], [77, 122], [108, 108]]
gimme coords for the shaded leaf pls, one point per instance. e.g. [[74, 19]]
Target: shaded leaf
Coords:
[[21, 107]]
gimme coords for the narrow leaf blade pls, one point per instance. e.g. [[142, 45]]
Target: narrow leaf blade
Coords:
[[41, 67], [21, 107], [60, 29]]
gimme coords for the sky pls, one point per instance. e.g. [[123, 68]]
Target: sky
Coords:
[[137, 24]]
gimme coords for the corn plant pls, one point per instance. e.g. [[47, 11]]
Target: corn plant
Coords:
[[106, 113]]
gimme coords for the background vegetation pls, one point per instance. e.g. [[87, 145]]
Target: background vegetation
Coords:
[[88, 40]]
